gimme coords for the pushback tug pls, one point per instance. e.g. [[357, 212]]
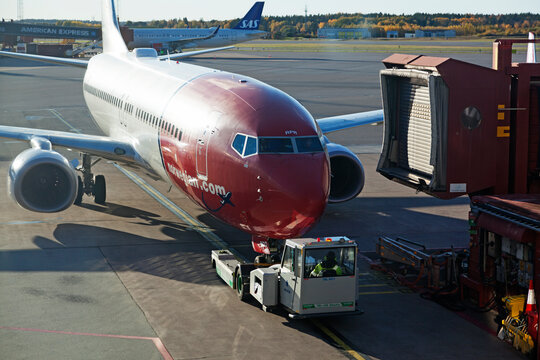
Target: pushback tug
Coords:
[[299, 284]]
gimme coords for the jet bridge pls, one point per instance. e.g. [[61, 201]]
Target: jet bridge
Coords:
[[455, 128]]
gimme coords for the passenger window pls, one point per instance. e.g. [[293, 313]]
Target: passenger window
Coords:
[[275, 145], [308, 144], [238, 143], [251, 146]]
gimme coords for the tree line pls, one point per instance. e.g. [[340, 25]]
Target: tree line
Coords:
[[280, 27]]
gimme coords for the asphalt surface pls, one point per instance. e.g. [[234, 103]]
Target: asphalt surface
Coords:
[[132, 280]]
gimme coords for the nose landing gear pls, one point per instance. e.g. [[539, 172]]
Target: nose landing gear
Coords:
[[269, 250]]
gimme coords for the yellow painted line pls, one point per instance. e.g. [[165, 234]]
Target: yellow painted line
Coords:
[[379, 292], [338, 340], [372, 285], [196, 225]]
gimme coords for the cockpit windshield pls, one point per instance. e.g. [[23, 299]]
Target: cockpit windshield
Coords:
[[275, 145], [330, 262], [246, 145], [308, 144]]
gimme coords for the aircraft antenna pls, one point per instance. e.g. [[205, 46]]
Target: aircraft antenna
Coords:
[[20, 8]]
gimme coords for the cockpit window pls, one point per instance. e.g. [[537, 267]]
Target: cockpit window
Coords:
[[251, 146], [308, 144], [238, 143], [246, 145], [275, 145]]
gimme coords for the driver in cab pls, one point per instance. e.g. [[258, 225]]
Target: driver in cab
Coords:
[[327, 267]]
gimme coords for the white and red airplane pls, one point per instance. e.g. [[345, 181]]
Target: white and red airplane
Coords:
[[246, 152]]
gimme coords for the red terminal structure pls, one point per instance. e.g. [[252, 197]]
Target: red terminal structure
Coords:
[[454, 128]]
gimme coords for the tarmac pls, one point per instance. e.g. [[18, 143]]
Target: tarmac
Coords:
[[133, 280]]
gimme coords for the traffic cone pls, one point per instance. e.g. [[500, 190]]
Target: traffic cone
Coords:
[[531, 299], [531, 313]]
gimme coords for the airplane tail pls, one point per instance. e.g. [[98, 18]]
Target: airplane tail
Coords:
[[252, 19], [110, 30], [531, 50]]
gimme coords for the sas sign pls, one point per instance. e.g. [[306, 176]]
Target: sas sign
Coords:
[[250, 24]]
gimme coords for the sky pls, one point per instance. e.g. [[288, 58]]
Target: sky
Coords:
[[136, 10]]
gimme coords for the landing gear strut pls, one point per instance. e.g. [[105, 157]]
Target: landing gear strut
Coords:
[[269, 249], [89, 185]]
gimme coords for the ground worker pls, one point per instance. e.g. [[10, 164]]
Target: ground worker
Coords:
[[327, 267]]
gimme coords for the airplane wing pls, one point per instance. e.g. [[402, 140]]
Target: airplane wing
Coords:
[[342, 122], [192, 53], [101, 146], [177, 43], [49, 59]]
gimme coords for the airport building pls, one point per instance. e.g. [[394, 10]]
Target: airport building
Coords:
[[49, 31], [343, 33], [435, 33], [21, 36]]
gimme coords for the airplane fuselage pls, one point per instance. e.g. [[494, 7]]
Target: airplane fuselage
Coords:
[[246, 152], [165, 38]]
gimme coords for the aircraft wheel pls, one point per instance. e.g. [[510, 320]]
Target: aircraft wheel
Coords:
[[80, 191], [100, 190]]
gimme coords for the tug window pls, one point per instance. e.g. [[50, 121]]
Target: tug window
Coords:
[[330, 262], [288, 258]]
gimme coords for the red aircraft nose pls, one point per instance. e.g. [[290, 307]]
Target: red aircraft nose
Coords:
[[293, 192]]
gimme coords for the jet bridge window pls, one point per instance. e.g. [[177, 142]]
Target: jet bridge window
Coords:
[[245, 145]]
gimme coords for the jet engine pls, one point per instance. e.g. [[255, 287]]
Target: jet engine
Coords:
[[347, 173], [41, 179]]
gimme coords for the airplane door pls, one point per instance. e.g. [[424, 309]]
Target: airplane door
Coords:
[[123, 115], [202, 145]]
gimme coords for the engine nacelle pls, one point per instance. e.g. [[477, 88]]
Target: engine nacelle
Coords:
[[347, 173], [42, 181]]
